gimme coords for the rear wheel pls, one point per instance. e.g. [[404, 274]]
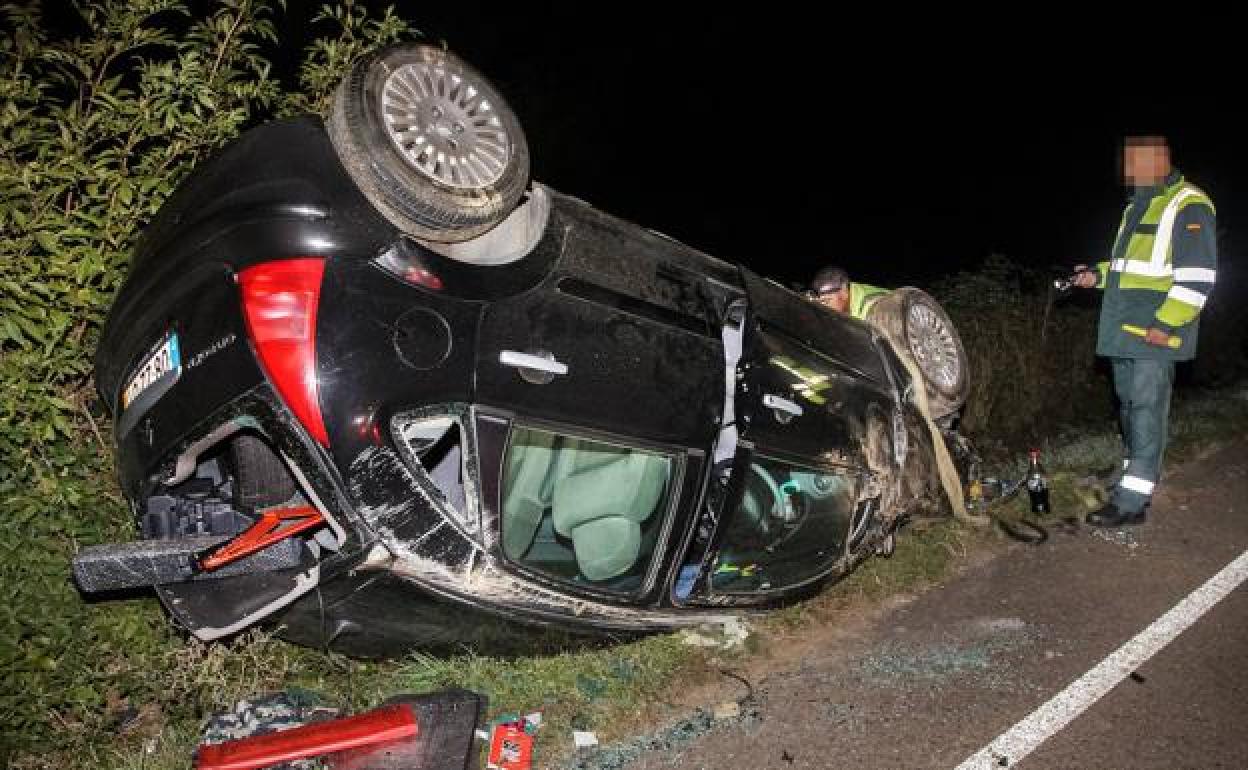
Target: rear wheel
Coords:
[[430, 142], [919, 330]]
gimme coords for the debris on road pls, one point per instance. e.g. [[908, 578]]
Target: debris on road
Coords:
[[730, 634], [511, 741], [511, 748], [1123, 538], [1000, 624], [299, 730], [972, 655], [583, 739], [618, 756]]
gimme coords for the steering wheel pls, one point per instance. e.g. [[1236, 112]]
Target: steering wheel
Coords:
[[756, 509]]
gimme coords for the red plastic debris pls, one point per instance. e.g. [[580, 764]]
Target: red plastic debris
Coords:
[[383, 725], [511, 748], [263, 534]]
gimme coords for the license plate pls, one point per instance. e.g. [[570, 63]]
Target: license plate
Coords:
[[164, 362]]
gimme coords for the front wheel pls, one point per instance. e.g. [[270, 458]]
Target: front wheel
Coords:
[[919, 330]]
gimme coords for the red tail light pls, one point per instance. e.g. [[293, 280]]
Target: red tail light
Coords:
[[279, 304]]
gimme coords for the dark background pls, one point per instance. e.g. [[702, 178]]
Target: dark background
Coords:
[[904, 145], [901, 147]]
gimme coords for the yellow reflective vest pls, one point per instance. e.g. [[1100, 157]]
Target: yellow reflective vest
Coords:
[[1163, 266]]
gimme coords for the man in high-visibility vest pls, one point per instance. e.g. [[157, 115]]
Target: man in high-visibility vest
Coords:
[[1162, 269], [832, 288]]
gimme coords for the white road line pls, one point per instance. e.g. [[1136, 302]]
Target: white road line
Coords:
[[1023, 738]]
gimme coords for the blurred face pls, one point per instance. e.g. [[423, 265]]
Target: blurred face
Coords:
[[835, 300], [1145, 165]]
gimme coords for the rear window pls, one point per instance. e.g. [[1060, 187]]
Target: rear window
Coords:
[[582, 510]]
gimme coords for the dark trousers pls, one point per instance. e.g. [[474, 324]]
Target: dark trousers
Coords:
[[1143, 386]]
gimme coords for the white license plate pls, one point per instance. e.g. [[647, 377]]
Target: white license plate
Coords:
[[165, 361]]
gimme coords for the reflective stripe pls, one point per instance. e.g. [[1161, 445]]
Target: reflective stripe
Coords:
[[1202, 274], [1184, 294], [1140, 267], [1165, 227], [1137, 484]]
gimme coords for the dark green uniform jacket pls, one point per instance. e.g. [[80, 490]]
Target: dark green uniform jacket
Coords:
[[1163, 267]]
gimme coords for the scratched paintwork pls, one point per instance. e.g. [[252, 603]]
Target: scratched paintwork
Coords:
[[423, 544]]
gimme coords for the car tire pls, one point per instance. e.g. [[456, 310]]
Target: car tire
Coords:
[[260, 477], [430, 142], [919, 329]]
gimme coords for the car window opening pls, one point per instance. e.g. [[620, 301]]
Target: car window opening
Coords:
[[583, 510], [437, 445], [444, 463], [791, 525]]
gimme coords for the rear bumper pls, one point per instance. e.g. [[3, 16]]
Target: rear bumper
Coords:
[[119, 566]]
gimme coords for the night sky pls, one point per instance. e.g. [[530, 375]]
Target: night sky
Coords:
[[785, 142]]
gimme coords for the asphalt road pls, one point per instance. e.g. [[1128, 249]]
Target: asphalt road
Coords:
[[934, 680]]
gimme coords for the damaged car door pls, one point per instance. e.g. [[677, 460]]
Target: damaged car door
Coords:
[[812, 388], [599, 395]]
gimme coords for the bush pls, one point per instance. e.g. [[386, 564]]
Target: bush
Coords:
[[1222, 358], [1034, 369], [98, 124], [1032, 357]]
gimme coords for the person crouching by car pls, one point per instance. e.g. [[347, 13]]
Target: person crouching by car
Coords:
[[832, 288]]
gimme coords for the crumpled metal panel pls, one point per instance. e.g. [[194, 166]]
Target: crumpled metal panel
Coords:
[[423, 546]]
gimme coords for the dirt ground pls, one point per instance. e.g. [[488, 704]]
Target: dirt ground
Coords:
[[926, 681]]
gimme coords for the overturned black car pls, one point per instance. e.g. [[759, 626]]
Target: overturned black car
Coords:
[[372, 383]]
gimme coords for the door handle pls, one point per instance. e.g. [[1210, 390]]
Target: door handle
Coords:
[[538, 368], [784, 409]]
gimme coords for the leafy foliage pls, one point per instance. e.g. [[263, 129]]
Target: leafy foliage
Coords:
[[1032, 356], [328, 57], [96, 130], [1034, 370]]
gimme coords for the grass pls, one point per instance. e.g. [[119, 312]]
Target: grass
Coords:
[[614, 690]]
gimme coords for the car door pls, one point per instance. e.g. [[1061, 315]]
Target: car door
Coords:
[[812, 389], [616, 339], [610, 378]]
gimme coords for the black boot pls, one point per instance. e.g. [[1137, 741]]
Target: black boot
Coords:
[[1111, 516]]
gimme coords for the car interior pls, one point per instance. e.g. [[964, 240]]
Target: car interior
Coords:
[[582, 510], [791, 524]]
